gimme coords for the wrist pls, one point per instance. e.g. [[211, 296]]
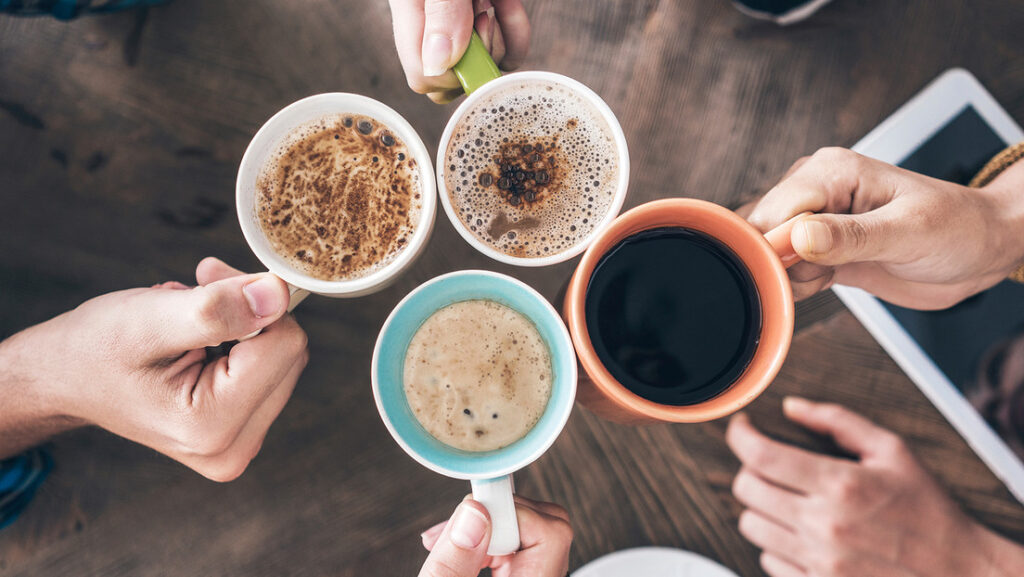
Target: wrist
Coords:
[[1007, 195], [30, 412]]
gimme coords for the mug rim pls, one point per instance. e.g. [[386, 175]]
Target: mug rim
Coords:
[[768, 357], [622, 150], [559, 418], [274, 131]]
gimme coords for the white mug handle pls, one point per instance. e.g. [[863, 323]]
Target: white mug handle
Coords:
[[496, 496], [297, 296]]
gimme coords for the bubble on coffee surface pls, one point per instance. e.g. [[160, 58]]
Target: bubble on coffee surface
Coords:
[[477, 375], [340, 197], [532, 169]]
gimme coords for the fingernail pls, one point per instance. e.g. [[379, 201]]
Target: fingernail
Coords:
[[433, 531], [263, 296], [468, 527], [795, 405], [437, 49], [817, 237]]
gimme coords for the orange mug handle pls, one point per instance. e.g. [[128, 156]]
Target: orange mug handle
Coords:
[[781, 239]]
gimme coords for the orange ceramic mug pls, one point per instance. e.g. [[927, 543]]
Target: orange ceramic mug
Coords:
[[765, 257]]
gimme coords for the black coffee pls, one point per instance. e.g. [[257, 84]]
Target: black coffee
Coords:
[[674, 315]]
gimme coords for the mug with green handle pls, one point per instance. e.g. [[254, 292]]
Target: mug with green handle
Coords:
[[480, 78]]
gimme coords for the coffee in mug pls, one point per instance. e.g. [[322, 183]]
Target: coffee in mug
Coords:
[[673, 314], [477, 375], [531, 169], [303, 229], [340, 197]]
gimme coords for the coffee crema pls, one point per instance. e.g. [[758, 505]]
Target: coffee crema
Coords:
[[532, 169], [340, 197], [477, 375]]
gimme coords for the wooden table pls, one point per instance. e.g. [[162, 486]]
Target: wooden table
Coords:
[[119, 141]]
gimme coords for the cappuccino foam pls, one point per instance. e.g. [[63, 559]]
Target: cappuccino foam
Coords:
[[340, 197], [532, 169], [477, 375]]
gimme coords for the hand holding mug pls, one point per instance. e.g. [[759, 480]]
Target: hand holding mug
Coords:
[[880, 514], [432, 35], [458, 547], [911, 240], [134, 362]]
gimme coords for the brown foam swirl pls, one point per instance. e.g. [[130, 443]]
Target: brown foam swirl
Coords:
[[340, 198], [532, 169]]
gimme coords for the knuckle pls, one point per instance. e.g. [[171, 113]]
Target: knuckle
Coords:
[[833, 530], [741, 486], [418, 85], [760, 456], [439, 568], [441, 9], [227, 469], [208, 443], [891, 444], [833, 564], [854, 232], [558, 510], [563, 531], [747, 524], [208, 316], [846, 488], [833, 155]]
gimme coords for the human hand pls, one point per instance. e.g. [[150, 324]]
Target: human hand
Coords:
[[134, 362], [432, 35], [911, 240], [458, 547], [878, 515]]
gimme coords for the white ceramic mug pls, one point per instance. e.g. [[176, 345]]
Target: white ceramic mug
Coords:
[[268, 140], [490, 472], [480, 78]]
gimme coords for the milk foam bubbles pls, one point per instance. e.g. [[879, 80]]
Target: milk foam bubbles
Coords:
[[477, 375], [532, 169]]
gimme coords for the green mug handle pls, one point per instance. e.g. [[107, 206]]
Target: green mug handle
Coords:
[[476, 67]]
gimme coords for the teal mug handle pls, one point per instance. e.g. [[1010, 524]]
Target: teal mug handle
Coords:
[[476, 67]]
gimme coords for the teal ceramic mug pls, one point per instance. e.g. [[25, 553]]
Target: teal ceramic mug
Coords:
[[490, 473]]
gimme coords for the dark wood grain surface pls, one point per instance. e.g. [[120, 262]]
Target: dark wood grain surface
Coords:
[[119, 141]]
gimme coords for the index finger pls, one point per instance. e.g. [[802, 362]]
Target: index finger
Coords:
[[256, 366], [515, 31], [834, 180], [782, 464]]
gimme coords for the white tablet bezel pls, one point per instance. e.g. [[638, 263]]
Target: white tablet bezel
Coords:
[[892, 141]]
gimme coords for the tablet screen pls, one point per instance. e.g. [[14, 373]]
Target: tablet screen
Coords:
[[979, 343]]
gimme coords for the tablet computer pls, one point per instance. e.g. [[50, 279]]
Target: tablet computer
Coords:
[[968, 359]]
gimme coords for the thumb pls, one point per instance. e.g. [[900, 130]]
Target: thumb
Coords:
[[447, 26], [837, 239], [219, 312], [461, 550]]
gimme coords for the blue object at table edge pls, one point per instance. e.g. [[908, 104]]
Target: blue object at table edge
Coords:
[[20, 477], [68, 9]]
